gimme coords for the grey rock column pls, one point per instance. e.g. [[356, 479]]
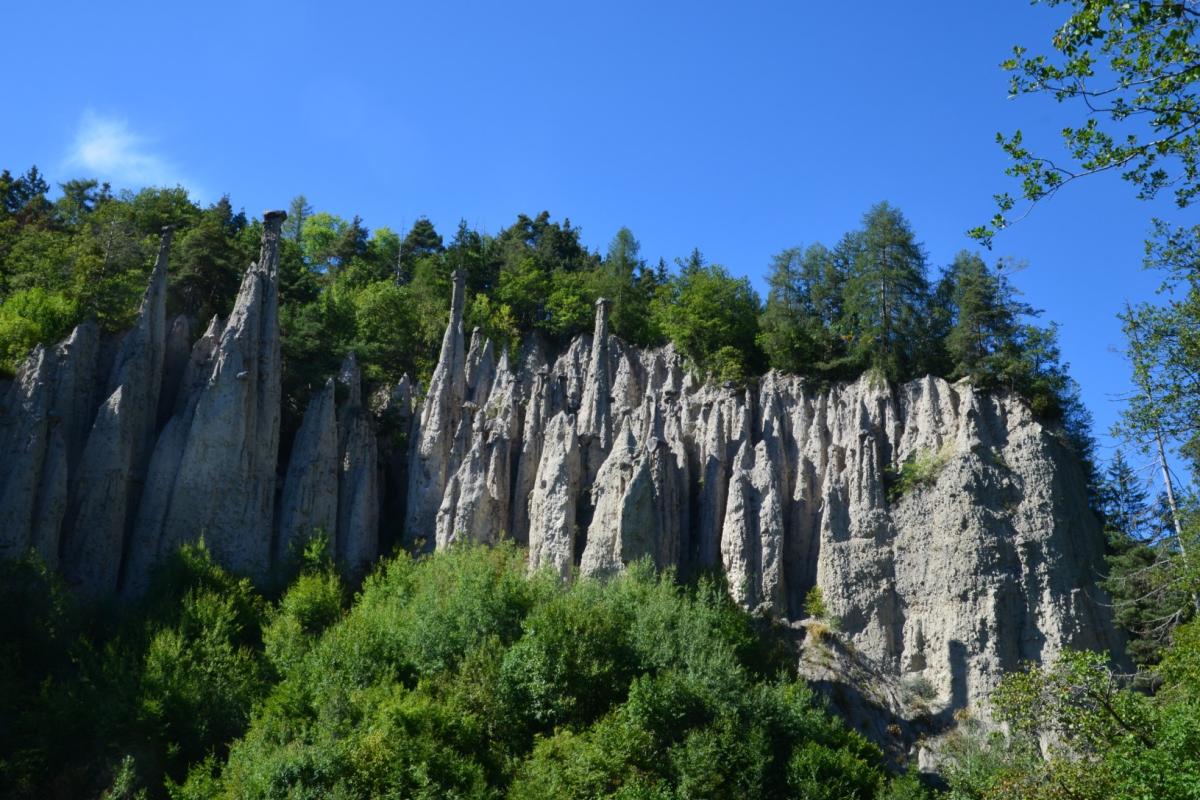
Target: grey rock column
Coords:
[[309, 504], [430, 451], [112, 468]]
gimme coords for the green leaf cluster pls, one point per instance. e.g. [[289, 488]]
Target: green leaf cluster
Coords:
[[123, 698], [459, 674], [1131, 69], [1077, 730], [921, 470]]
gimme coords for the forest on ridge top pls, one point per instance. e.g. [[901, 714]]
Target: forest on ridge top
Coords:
[[869, 302]]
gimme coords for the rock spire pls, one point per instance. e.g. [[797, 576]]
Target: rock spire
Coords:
[[432, 447]]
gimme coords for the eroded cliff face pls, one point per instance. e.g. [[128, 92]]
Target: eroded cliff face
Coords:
[[607, 454], [593, 458], [108, 469]]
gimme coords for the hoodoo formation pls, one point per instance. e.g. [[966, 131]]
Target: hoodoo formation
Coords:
[[593, 457]]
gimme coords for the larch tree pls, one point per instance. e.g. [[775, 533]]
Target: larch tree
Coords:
[[886, 294]]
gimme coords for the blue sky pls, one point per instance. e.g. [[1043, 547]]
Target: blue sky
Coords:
[[739, 129]]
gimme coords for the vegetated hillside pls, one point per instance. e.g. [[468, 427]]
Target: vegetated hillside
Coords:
[[461, 675], [866, 306], [457, 675], [981, 553]]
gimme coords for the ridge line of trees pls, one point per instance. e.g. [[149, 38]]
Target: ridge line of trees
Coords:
[[868, 303]]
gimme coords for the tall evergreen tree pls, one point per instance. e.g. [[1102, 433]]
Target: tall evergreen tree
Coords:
[[79, 198], [1125, 501], [352, 243], [625, 279], [1148, 599], [470, 251], [422, 239], [886, 295], [983, 334], [298, 211], [803, 313], [25, 197], [208, 263]]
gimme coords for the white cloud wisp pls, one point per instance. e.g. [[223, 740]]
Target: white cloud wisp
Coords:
[[107, 148]]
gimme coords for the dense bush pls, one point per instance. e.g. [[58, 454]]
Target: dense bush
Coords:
[[456, 675], [93, 696], [1077, 730], [462, 675]]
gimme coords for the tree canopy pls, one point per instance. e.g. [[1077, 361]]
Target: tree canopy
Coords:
[[1131, 69]]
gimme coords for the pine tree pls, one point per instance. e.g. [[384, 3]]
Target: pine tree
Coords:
[[1125, 500], [803, 312], [421, 241], [984, 332], [1148, 599], [298, 211], [886, 295], [625, 279], [25, 197], [208, 264]]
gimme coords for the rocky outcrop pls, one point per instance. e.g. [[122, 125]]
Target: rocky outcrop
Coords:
[[112, 467], [147, 546], [175, 363], [392, 407], [554, 501], [476, 503], [594, 454], [357, 541], [537, 415], [616, 454], [26, 439], [309, 504], [433, 437], [178, 441], [332, 484], [595, 407], [227, 436]]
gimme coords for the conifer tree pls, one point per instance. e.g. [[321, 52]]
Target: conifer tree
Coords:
[[886, 294], [209, 263], [625, 279], [984, 335], [1148, 599], [421, 241], [298, 211], [804, 311]]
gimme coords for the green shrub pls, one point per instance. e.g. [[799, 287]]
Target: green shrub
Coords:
[[454, 675], [31, 316], [920, 471], [307, 609], [814, 604]]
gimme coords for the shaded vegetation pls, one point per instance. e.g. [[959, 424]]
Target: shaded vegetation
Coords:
[[456, 675], [921, 470], [1076, 730]]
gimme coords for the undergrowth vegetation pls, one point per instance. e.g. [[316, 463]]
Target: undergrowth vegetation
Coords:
[[454, 675], [463, 675], [919, 471]]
